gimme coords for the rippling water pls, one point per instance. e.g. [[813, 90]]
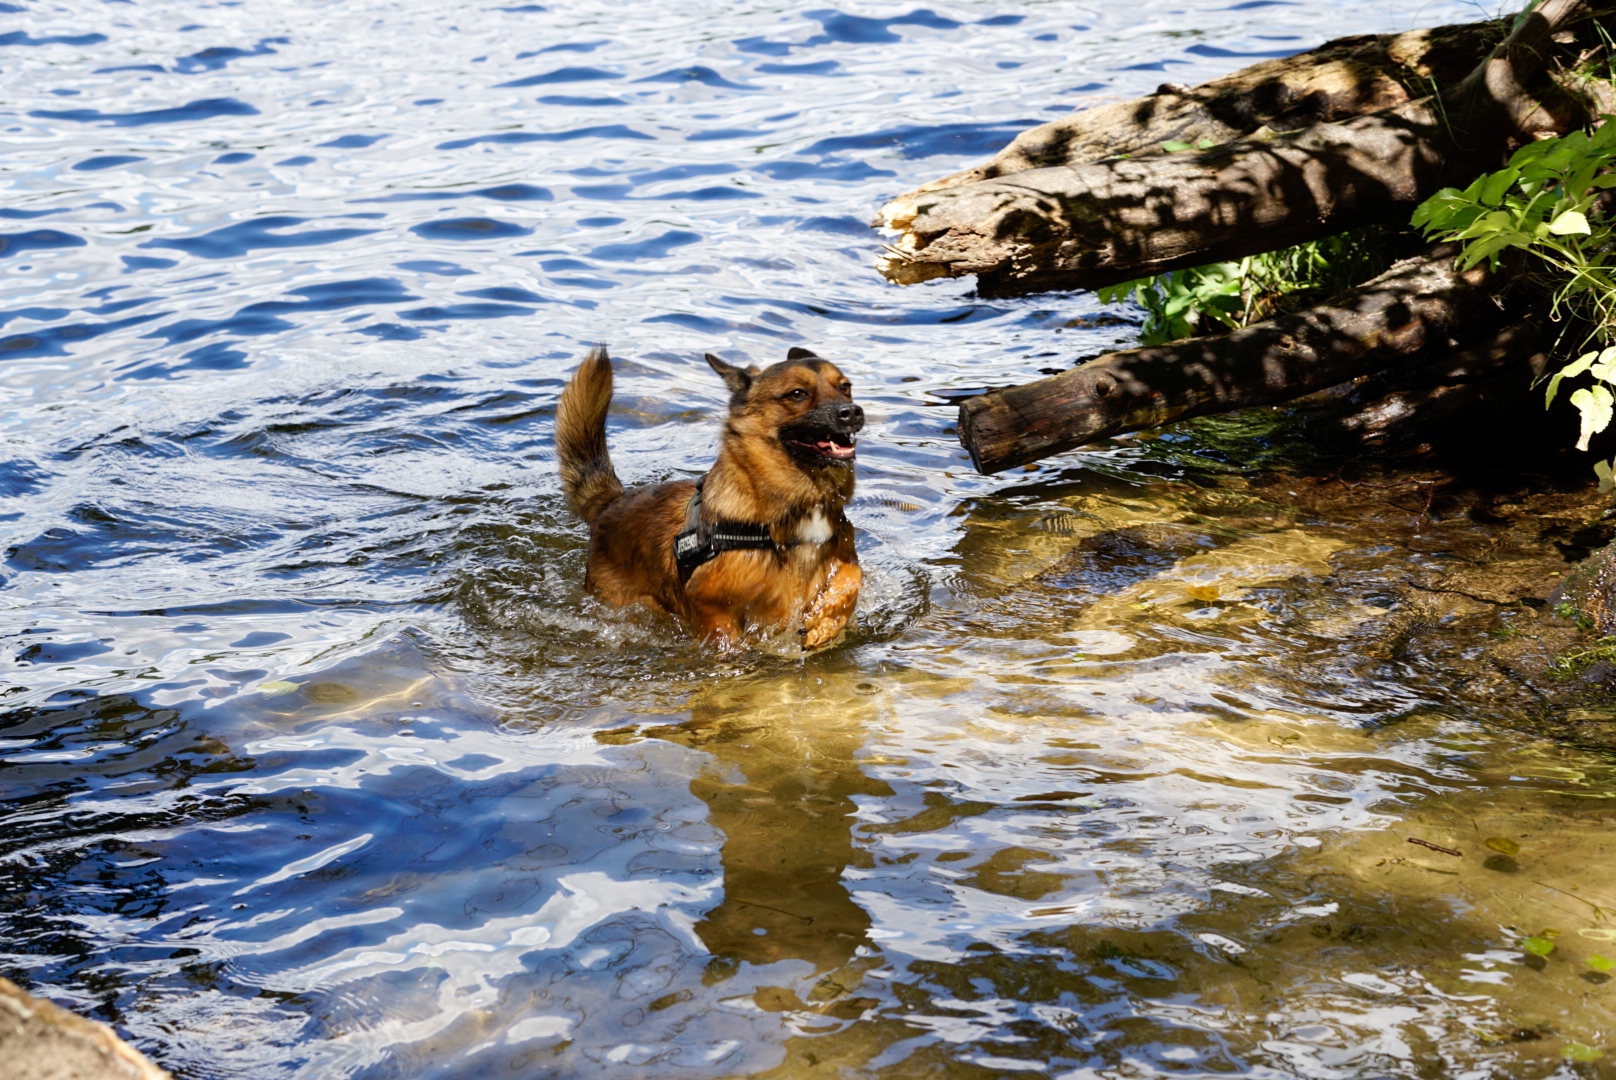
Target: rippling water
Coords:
[[317, 762]]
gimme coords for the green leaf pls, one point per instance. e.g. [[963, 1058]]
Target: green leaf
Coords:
[[1570, 223], [1173, 146], [1447, 209], [1604, 369], [1537, 946], [1528, 156], [1576, 367], [1115, 294], [274, 689], [1565, 150], [1496, 222], [1595, 405], [1432, 213], [1607, 476], [1503, 845], [1582, 1052], [1488, 247], [1497, 185], [1601, 963]]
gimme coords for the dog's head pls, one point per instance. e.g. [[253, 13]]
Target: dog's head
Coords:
[[803, 401]]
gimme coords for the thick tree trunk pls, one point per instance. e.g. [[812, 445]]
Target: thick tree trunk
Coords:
[[1338, 80], [1085, 226], [1413, 311]]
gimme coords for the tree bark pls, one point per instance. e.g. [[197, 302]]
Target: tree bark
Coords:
[[1412, 312], [1086, 226], [1338, 80]]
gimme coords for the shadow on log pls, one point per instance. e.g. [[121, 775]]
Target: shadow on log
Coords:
[[1338, 80], [1091, 225], [1417, 310], [1461, 400], [1475, 410]]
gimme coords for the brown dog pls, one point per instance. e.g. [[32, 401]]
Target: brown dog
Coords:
[[760, 543]]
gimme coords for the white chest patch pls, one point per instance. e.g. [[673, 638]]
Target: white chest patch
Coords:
[[814, 529]]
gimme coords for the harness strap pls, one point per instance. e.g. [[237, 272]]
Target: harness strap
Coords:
[[699, 542]]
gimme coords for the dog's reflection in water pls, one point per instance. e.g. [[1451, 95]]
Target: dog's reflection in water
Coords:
[[781, 787]]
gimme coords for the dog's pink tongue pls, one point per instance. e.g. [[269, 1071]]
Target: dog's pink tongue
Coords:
[[831, 449]]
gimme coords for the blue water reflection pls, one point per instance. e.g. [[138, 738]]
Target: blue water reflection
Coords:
[[317, 762]]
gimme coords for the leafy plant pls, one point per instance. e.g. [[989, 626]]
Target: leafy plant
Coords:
[[1229, 295], [1540, 204], [1569, 611], [1570, 664]]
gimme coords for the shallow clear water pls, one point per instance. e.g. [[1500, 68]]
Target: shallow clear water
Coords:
[[316, 762]]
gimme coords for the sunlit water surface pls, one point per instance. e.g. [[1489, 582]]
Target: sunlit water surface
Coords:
[[317, 762]]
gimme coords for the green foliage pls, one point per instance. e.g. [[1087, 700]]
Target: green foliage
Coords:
[[1229, 295], [1540, 204], [1537, 946], [1570, 664], [1582, 1052], [1569, 611]]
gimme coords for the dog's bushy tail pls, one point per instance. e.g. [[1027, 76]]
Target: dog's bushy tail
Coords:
[[587, 477]]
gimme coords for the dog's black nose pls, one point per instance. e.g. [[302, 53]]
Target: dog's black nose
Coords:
[[848, 414]]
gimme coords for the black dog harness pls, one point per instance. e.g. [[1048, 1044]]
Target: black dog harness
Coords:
[[699, 541]]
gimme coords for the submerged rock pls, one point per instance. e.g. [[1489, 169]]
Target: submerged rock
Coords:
[[41, 1041], [1590, 590]]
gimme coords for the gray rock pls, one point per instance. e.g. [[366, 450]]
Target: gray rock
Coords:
[[41, 1041]]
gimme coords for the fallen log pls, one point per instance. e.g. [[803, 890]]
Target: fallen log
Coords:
[[1412, 312], [1340, 79], [1089, 225]]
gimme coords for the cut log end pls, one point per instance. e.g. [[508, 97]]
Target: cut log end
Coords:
[[987, 423], [896, 216]]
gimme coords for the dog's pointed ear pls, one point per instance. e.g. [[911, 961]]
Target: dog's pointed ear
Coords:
[[797, 352], [739, 380]]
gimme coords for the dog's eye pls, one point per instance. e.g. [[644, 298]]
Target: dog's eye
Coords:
[[847, 389], [798, 394]]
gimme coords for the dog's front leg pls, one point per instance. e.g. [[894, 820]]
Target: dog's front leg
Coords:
[[833, 606], [718, 626]]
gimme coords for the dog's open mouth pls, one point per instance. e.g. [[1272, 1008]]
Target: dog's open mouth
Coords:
[[828, 446]]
